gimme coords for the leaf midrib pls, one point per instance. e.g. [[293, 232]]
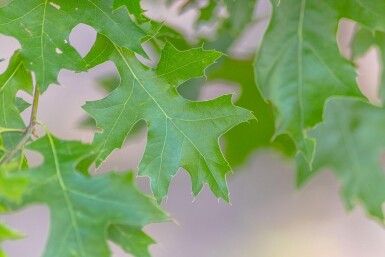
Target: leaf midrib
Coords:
[[66, 196], [299, 61], [42, 40]]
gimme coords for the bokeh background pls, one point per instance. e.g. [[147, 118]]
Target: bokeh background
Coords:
[[268, 216]]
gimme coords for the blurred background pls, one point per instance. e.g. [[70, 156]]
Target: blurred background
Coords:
[[268, 216]]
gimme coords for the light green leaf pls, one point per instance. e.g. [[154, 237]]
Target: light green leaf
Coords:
[[12, 186], [15, 78], [299, 67], [43, 28], [7, 234], [181, 133], [82, 208], [350, 141]]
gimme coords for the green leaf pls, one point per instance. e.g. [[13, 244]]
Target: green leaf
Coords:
[[133, 7], [240, 15], [362, 41], [131, 239], [12, 186], [7, 234], [83, 208], [15, 78], [181, 133], [366, 13], [43, 28], [179, 66], [2, 150], [350, 141], [208, 12], [298, 68], [167, 34], [108, 84]]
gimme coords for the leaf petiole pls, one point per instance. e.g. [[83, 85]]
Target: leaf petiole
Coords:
[[5, 130], [29, 130]]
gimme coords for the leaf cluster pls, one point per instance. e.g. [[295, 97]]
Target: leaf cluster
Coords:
[[298, 96]]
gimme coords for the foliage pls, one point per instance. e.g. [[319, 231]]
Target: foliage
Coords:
[[298, 95]]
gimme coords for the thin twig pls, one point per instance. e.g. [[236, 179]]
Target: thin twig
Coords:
[[29, 130]]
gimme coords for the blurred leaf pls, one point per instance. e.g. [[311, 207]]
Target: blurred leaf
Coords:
[[12, 186], [7, 234], [298, 69], [207, 13], [181, 133], [350, 141], [248, 137], [240, 15], [363, 39]]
